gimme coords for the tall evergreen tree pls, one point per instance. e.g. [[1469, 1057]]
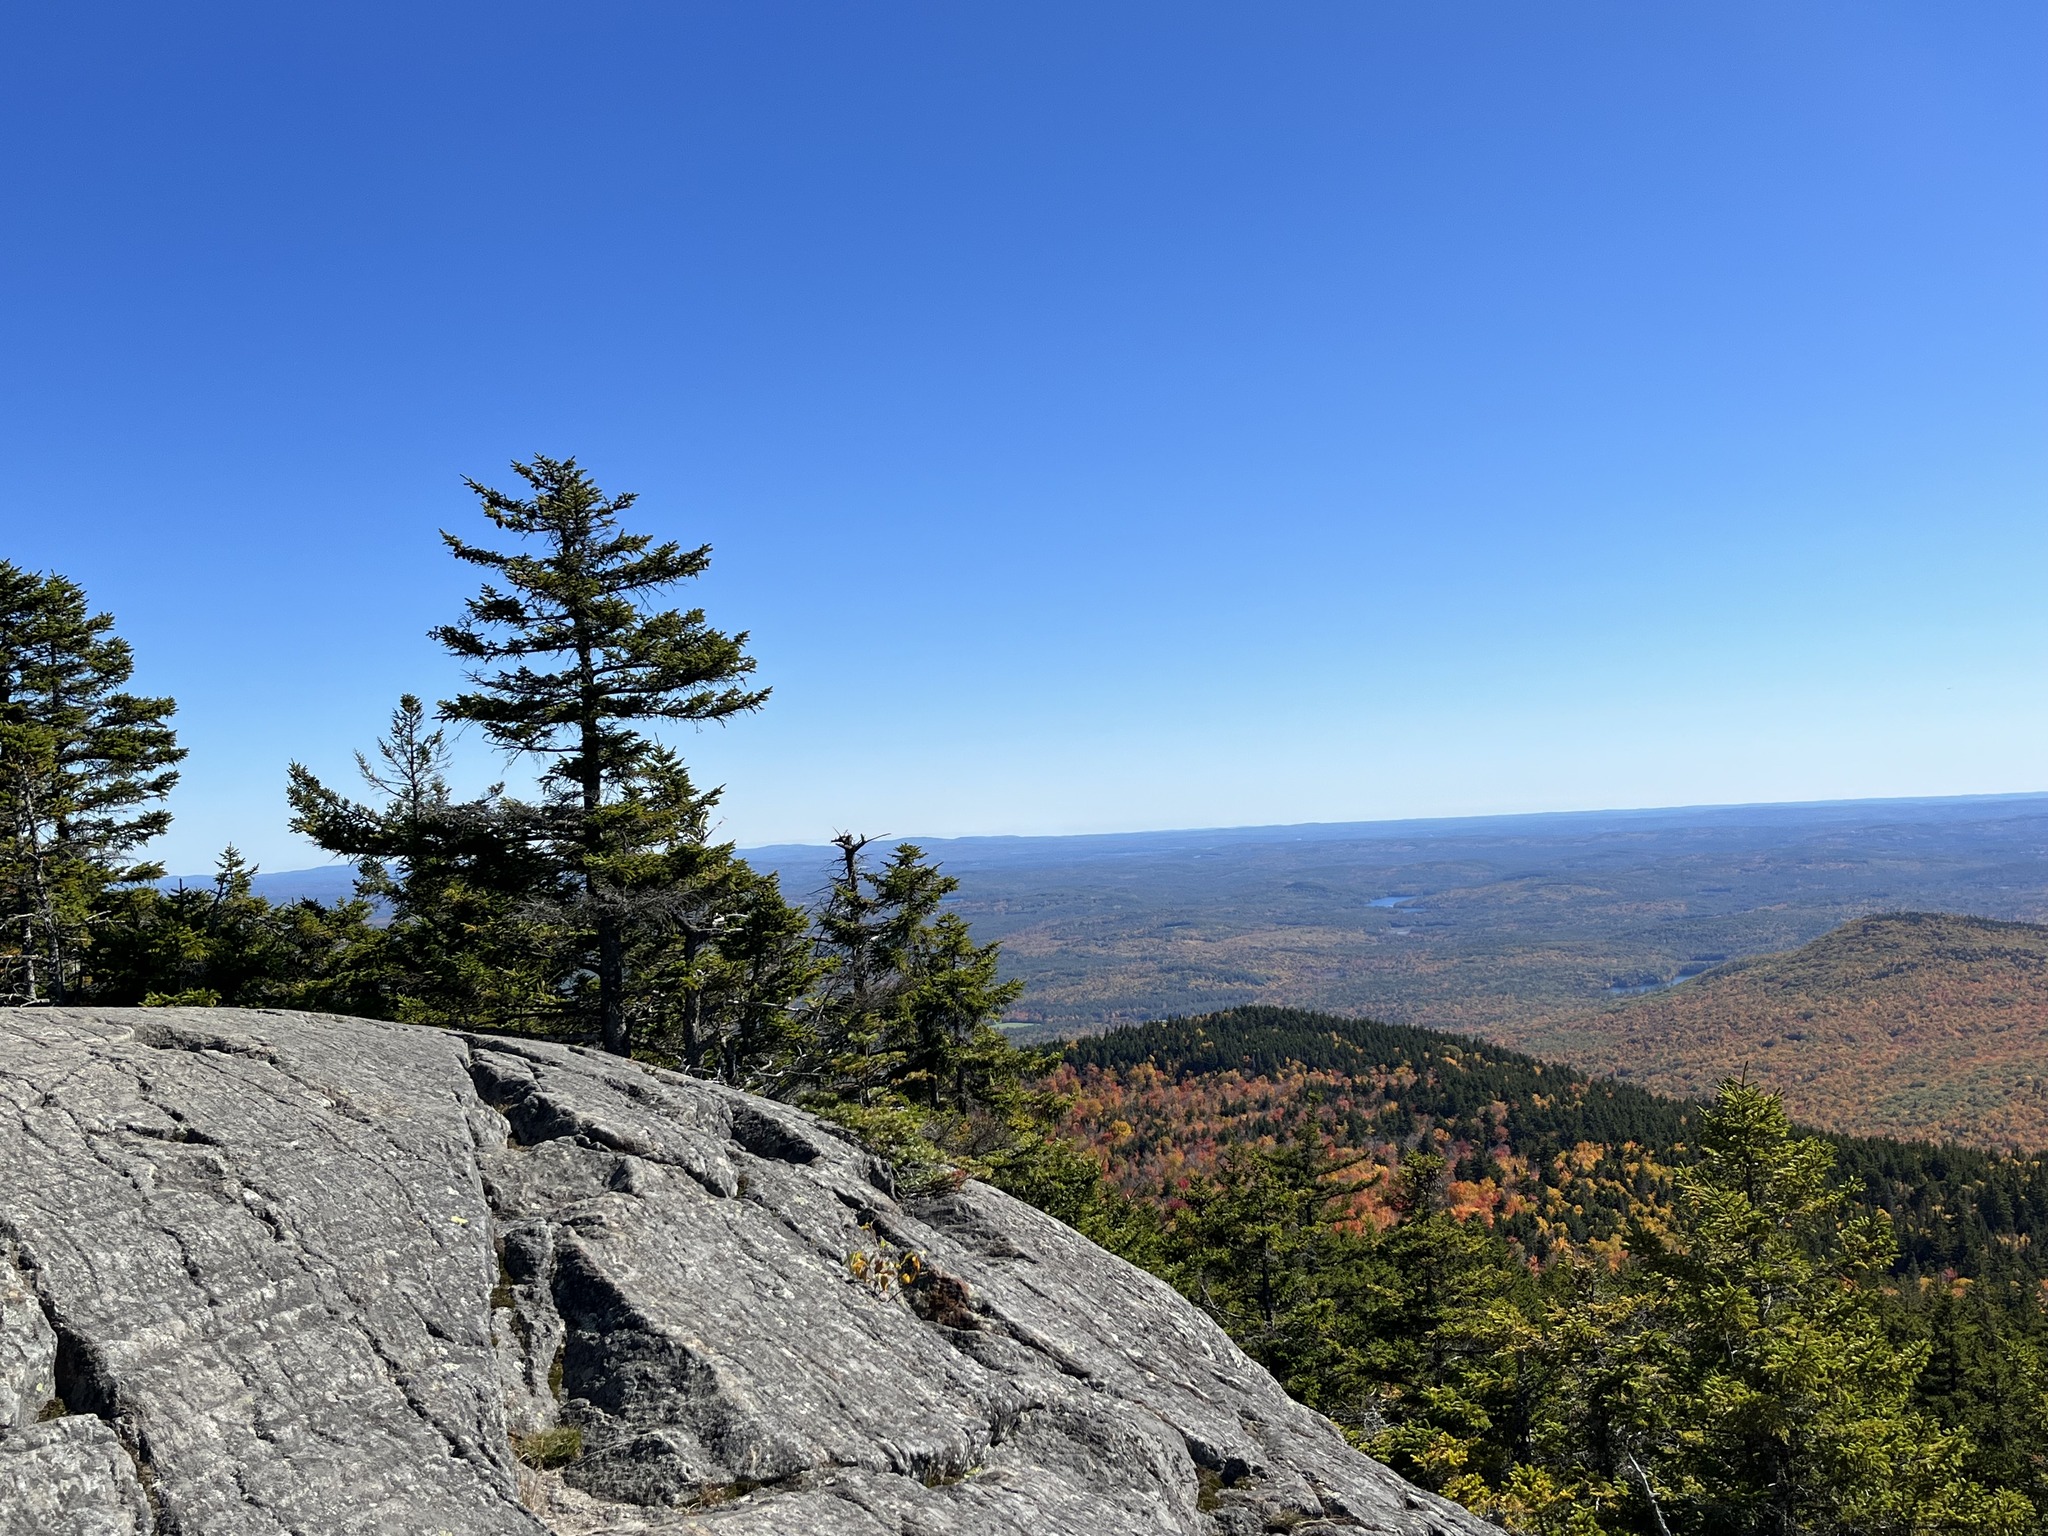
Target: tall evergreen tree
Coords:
[[1256, 1248], [84, 767], [898, 1040], [569, 663], [955, 1057]]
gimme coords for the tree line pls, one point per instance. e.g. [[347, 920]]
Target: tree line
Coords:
[[1608, 1147]]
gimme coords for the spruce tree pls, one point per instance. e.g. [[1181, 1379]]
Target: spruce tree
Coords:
[[720, 980], [1793, 1406], [222, 944], [907, 1003], [854, 1052], [955, 1057], [466, 886], [898, 1042], [569, 663], [84, 767]]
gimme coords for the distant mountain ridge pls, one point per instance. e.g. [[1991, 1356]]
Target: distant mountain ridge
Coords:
[[329, 882], [1506, 921], [1914, 1024]]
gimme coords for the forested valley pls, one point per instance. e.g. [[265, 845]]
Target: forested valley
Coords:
[[1570, 1304], [1543, 1292]]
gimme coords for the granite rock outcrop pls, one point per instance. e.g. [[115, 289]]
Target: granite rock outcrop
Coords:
[[268, 1273]]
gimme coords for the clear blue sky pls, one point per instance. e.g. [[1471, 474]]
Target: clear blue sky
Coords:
[[1105, 416]]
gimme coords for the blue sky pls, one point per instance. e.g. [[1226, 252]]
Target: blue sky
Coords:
[[1105, 417]]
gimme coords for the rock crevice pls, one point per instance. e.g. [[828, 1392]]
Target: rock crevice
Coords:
[[63, 1442]]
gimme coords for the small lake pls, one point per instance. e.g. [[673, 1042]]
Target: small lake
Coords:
[[1637, 986]]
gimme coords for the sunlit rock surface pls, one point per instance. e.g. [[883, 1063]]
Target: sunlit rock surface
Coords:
[[276, 1273]]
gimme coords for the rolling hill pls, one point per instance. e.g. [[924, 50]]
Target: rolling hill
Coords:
[[1548, 1156], [1914, 1024]]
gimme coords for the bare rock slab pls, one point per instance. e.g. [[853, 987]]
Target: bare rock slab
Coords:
[[297, 1273]]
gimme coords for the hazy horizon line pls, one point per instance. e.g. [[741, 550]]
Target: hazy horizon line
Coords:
[[1702, 808]]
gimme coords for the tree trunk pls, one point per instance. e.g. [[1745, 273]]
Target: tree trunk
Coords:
[[611, 986], [693, 1004], [611, 939]]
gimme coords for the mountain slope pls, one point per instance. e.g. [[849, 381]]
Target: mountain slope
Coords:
[[1910, 1024], [1548, 1157]]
